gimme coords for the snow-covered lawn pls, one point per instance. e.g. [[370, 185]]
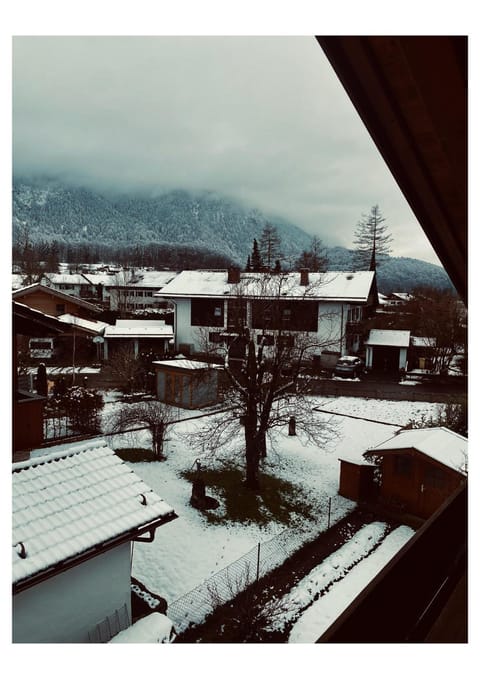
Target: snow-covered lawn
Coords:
[[189, 550]]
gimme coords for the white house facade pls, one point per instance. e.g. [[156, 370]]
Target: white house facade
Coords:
[[211, 306]]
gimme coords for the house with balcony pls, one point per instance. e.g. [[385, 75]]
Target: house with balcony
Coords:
[[77, 514], [215, 307]]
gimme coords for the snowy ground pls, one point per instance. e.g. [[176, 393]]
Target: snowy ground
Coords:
[[189, 550]]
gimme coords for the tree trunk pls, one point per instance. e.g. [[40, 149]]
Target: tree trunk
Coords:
[[252, 458]]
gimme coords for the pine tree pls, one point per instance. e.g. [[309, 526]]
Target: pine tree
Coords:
[[249, 264], [371, 240], [256, 260], [270, 243]]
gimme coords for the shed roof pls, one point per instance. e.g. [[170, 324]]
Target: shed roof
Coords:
[[389, 338], [439, 443], [127, 328], [72, 501], [328, 286]]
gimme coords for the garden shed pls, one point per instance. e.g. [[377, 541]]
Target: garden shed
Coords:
[[420, 468], [386, 350], [357, 480], [186, 383]]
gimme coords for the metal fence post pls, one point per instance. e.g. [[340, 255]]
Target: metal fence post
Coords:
[[329, 511], [258, 561]]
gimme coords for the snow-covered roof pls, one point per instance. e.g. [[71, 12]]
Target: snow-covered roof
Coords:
[[92, 326], [405, 296], [100, 278], [66, 278], [155, 628], [439, 443], [185, 364], [153, 279], [331, 286], [389, 338], [68, 502], [39, 287], [128, 328], [423, 341]]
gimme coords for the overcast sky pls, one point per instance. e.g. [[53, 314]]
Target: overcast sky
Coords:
[[263, 120]]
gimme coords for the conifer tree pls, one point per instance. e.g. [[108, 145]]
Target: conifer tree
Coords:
[[270, 243], [371, 240], [256, 260]]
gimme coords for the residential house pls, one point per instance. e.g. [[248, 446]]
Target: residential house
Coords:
[[27, 404], [130, 290], [76, 516], [54, 302], [75, 284], [81, 326], [215, 306]]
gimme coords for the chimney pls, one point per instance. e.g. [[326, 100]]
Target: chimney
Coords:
[[304, 276], [233, 274]]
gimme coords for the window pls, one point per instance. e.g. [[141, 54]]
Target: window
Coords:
[[207, 312], [403, 465], [435, 478], [354, 314]]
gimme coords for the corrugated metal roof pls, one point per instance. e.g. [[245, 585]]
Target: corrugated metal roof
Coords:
[[68, 502], [439, 443], [330, 286]]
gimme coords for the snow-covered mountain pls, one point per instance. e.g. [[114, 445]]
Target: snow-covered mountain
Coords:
[[205, 221], [53, 211]]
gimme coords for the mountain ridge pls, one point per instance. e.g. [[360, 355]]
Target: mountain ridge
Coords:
[[54, 211]]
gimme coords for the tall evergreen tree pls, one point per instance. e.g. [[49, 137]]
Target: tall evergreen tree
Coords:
[[270, 243], [371, 240], [256, 260]]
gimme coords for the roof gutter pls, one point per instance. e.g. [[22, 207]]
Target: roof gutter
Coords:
[[65, 565]]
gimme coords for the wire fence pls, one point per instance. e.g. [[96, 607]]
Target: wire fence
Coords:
[[192, 608]]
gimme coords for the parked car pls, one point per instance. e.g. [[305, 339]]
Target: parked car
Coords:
[[348, 366]]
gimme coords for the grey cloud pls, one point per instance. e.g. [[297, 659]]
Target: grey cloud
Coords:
[[261, 119]]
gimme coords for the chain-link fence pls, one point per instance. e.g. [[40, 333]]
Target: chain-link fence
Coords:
[[192, 608]]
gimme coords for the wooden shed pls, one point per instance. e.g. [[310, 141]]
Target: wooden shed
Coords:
[[357, 480], [420, 469], [186, 383]]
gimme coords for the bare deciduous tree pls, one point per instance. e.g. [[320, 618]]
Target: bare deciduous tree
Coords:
[[268, 380], [155, 415]]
